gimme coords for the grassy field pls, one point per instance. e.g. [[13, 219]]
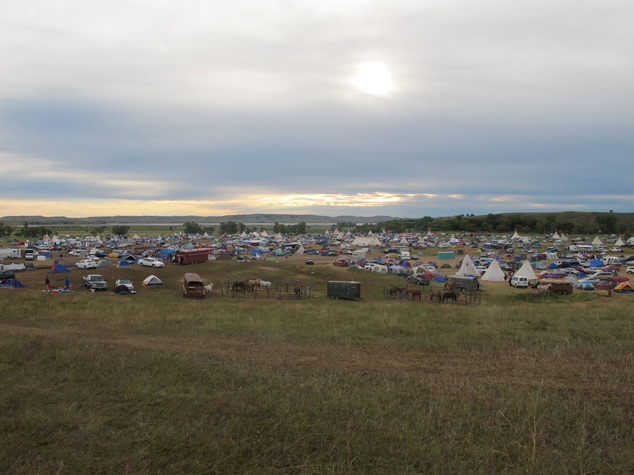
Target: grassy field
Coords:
[[95, 382]]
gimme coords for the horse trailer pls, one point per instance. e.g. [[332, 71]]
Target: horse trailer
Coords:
[[465, 284], [344, 290]]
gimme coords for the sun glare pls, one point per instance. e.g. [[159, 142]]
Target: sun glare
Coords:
[[373, 78]]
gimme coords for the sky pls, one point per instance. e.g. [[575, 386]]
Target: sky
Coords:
[[406, 108]]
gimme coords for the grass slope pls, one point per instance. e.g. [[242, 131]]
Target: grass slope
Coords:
[[151, 382]]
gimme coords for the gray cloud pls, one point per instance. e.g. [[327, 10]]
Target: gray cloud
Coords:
[[207, 101]]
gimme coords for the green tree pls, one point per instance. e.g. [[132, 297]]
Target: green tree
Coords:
[[191, 227], [120, 230]]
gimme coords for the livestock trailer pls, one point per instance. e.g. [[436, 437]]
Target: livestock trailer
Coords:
[[193, 287], [344, 290], [465, 283]]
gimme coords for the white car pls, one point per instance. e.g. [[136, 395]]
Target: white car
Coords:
[[75, 252], [86, 264], [630, 270], [151, 262], [126, 282]]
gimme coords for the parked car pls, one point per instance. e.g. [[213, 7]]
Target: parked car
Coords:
[[591, 280], [151, 262], [95, 282], [126, 282], [630, 270], [418, 280], [86, 264], [310, 261], [75, 252], [519, 282], [602, 275]]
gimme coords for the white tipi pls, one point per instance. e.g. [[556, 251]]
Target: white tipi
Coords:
[[494, 273], [468, 268]]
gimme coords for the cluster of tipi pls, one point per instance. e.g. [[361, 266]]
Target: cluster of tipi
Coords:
[[494, 273]]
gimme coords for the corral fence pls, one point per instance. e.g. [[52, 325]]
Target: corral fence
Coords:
[[431, 295], [274, 290]]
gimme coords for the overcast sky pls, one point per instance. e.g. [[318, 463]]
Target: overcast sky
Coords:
[[406, 108]]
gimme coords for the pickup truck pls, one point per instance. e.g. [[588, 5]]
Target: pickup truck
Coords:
[[95, 282]]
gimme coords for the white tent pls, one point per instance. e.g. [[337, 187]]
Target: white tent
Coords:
[[556, 235], [494, 273], [152, 281], [619, 242], [516, 236], [366, 241], [526, 271], [597, 242], [468, 268]]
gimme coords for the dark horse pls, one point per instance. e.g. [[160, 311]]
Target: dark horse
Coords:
[[298, 290], [238, 285], [450, 296]]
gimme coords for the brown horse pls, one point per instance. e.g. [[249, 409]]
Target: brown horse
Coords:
[[395, 292], [413, 293], [435, 296], [449, 286], [252, 285], [238, 285], [447, 296], [298, 290]]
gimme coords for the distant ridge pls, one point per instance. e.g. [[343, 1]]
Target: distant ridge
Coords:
[[238, 218]]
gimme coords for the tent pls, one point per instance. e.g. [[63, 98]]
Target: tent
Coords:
[[596, 263], [624, 287], [152, 281], [494, 273], [58, 268], [467, 267], [123, 264], [526, 271], [603, 285], [12, 284]]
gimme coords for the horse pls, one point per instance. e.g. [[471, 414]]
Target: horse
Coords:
[[395, 292], [414, 293], [298, 290], [435, 296], [450, 296], [449, 286], [208, 288], [253, 284], [264, 284], [238, 285]]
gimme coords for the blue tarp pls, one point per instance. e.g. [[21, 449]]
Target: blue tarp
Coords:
[[440, 278], [596, 263]]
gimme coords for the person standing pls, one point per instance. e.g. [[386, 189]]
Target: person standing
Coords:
[[67, 283], [48, 282]]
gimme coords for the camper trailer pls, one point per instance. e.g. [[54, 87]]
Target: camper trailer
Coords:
[[10, 254]]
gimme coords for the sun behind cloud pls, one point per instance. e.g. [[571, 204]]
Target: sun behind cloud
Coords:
[[373, 78]]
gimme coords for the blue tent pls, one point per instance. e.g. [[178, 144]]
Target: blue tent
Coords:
[[596, 263], [123, 264], [256, 252], [12, 284], [58, 268], [552, 265], [440, 278]]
